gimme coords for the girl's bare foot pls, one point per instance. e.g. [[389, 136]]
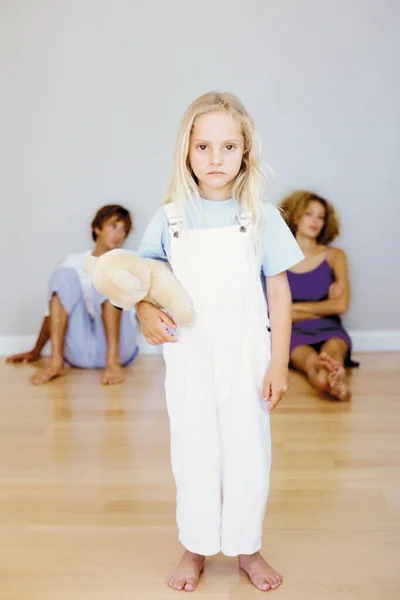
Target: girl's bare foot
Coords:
[[52, 371], [187, 574], [113, 374], [262, 575]]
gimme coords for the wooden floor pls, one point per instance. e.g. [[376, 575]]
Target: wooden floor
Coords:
[[87, 500]]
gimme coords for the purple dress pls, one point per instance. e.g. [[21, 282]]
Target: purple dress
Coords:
[[313, 286]]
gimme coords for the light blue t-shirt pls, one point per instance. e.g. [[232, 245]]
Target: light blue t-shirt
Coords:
[[278, 248]]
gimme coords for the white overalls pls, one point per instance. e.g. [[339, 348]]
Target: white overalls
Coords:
[[220, 430]]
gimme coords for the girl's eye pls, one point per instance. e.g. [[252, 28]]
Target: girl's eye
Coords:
[[202, 147], [230, 147]]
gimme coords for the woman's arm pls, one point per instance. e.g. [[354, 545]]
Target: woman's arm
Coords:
[[332, 306], [301, 315]]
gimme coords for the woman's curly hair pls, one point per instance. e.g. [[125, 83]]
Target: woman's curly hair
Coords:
[[295, 205]]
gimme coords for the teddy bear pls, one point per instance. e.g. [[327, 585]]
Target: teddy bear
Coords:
[[125, 279]]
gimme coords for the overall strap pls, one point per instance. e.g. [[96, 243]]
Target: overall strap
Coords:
[[174, 224], [244, 220], [170, 210]]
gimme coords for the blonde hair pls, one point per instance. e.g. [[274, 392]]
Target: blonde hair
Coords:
[[249, 183], [295, 205]]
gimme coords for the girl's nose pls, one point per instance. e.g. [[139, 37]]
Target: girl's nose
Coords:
[[216, 159]]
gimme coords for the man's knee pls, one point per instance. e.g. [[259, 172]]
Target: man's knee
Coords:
[[104, 306], [99, 301], [65, 276], [66, 285]]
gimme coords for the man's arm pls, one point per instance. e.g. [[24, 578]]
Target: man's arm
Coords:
[[34, 354]]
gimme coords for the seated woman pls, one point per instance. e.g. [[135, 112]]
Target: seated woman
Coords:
[[320, 346]]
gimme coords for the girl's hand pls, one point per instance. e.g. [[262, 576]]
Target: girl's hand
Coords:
[[152, 321], [275, 385]]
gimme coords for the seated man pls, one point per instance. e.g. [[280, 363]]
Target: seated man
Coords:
[[85, 329]]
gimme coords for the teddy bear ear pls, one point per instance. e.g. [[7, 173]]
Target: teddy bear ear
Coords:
[[90, 264]]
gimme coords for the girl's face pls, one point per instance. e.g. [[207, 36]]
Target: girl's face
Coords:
[[215, 153], [312, 221]]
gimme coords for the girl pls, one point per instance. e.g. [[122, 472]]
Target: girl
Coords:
[[222, 375], [320, 346]]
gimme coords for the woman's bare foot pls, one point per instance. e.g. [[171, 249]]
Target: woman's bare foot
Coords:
[[52, 371], [187, 574], [337, 386], [317, 374], [113, 374], [262, 575], [328, 361], [319, 378]]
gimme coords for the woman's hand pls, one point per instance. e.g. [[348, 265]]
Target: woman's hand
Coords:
[[301, 315], [152, 321], [275, 385]]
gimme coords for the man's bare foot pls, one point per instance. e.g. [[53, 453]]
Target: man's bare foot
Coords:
[[187, 574], [113, 374], [262, 575], [52, 371]]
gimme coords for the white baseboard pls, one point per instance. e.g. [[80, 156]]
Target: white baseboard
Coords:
[[363, 341], [376, 341], [13, 344]]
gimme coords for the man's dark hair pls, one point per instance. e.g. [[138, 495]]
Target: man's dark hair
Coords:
[[107, 212]]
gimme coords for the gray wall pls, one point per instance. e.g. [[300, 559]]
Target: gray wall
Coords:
[[92, 92]]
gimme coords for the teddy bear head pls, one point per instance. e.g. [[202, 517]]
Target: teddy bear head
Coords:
[[120, 276]]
